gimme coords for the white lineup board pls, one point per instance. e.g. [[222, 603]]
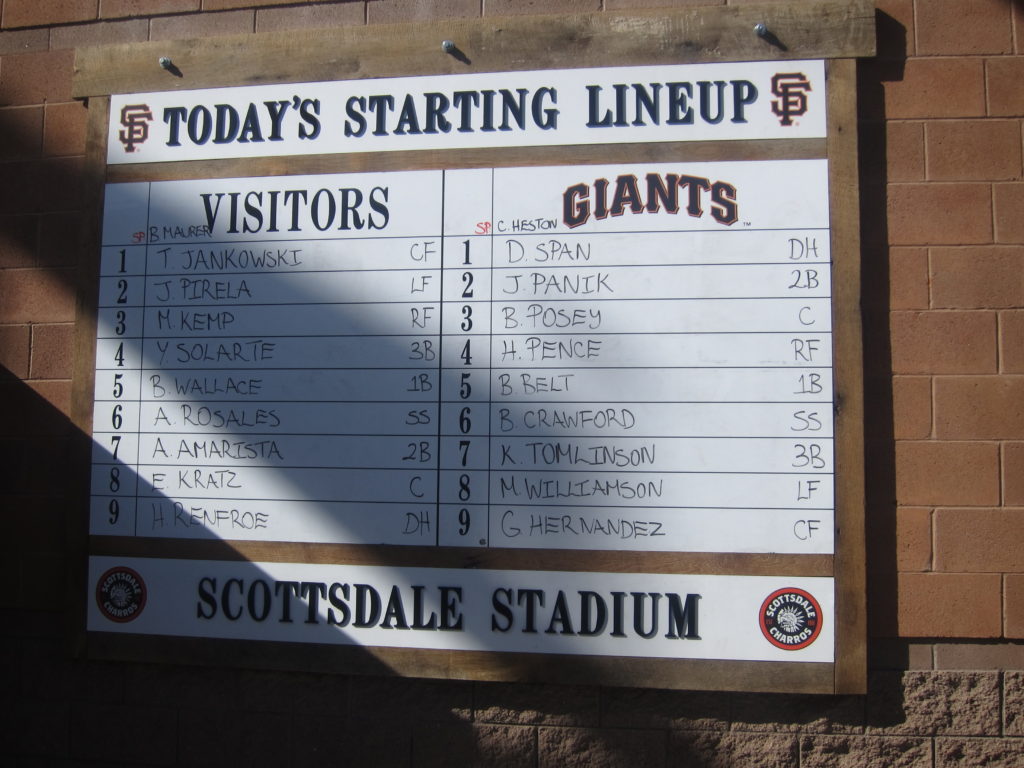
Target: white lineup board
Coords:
[[522, 417], [466, 369]]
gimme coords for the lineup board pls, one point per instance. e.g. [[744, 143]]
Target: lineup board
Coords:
[[503, 414]]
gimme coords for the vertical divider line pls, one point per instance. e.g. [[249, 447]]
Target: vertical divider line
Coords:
[[142, 358], [440, 372], [490, 355]]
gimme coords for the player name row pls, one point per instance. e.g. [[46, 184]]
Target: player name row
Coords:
[[708, 488], [635, 384], [603, 250], [513, 351], [807, 453], [469, 283], [469, 417], [472, 317], [650, 529]]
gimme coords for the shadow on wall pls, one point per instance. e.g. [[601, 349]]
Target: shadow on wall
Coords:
[[879, 460]]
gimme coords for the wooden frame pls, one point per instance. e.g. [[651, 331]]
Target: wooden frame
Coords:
[[836, 31]]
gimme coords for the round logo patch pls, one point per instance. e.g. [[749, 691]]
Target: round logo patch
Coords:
[[121, 594], [790, 619]]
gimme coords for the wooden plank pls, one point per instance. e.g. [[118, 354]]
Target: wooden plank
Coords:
[[794, 149], [836, 28], [710, 563], [851, 634], [679, 674]]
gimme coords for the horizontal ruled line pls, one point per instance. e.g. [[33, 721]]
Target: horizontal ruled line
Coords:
[[434, 503], [547, 234]]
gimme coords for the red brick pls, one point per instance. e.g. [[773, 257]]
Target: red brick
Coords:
[[932, 473], [60, 238], [52, 351], [911, 407], [947, 27], [1018, 27], [629, 5], [55, 392], [37, 296], [114, 9], [979, 655], [440, 744], [978, 753], [944, 87], [14, 349], [19, 238], [24, 41], [895, 28], [310, 17], [913, 539], [821, 751], [100, 33], [48, 185], [979, 540], [973, 150], [908, 278], [33, 13], [34, 78], [1013, 474], [535, 704], [893, 654], [202, 25], [22, 132], [979, 407], [1004, 77], [939, 213], [977, 277], [1008, 200], [950, 605], [904, 151], [579, 747], [395, 11], [147, 737], [1011, 342], [943, 342], [651, 708], [934, 703], [1013, 610], [228, 5], [65, 129], [517, 7]]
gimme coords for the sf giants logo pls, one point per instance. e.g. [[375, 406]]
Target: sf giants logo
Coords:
[[135, 120], [790, 91]]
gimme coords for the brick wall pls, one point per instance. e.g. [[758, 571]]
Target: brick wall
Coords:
[[943, 208]]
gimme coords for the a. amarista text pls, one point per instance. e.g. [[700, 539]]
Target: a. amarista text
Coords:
[[584, 613]]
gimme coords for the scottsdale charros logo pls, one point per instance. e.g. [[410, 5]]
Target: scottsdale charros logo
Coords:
[[121, 594], [790, 619]]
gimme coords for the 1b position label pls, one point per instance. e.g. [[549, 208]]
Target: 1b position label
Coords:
[[618, 357]]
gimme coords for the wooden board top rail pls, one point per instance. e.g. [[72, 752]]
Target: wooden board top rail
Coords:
[[815, 30]]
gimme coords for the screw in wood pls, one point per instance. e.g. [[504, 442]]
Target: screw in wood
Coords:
[[447, 46], [760, 29]]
